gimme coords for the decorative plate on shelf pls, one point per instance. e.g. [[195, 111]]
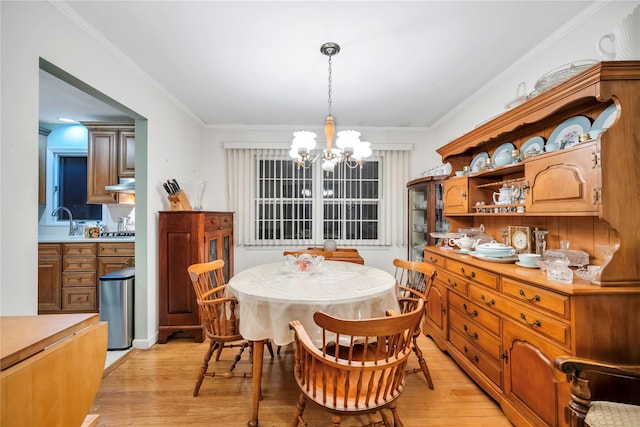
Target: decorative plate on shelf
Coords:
[[479, 161], [606, 118], [502, 155], [532, 146], [567, 134]]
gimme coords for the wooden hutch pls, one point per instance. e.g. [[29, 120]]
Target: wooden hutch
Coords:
[[504, 324]]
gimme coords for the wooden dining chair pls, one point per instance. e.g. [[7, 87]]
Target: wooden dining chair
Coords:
[[359, 368], [606, 410], [218, 313], [414, 280]]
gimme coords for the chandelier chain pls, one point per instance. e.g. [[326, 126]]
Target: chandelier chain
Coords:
[[330, 82]]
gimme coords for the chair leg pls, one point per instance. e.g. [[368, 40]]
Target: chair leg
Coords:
[[396, 419], [335, 421], [219, 352], [237, 358], [204, 367], [270, 348], [421, 361], [297, 416]]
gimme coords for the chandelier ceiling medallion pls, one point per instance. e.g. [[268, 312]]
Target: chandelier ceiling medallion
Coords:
[[349, 149]]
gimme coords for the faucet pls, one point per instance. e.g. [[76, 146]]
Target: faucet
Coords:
[[73, 224]]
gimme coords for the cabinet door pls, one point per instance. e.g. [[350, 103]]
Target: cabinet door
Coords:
[[101, 166], [435, 319], [456, 196], [565, 182], [127, 154], [49, 284], [108, 264], [218, 245], [530, 384]]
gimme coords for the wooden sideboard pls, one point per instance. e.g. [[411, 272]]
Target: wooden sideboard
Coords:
[[51, 367], [505, 324]]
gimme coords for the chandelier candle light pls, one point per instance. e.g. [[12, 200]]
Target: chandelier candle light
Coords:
[[349, 150]]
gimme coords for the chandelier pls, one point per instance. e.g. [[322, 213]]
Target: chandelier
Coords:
[[349, 149]]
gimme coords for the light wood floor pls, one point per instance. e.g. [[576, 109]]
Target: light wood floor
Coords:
[[155, 386]]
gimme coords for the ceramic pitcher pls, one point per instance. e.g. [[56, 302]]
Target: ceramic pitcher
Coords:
[[625, 39]]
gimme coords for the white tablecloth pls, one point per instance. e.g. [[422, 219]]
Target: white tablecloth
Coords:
[[270, 296]]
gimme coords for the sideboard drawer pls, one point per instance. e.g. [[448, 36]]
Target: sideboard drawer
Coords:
[[473, 273], [431, 258], [451, 281], [477, 357], [536, 297], [474, 312], [543, 324], [475, 334]]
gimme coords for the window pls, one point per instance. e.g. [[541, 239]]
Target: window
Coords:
[[72, 189], [342, 206], [277, 204]]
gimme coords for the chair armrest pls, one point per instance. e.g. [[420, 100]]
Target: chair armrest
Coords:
[[214, 291], [572, 365]]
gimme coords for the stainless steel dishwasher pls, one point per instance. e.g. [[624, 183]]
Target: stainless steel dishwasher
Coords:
[[116, 306]]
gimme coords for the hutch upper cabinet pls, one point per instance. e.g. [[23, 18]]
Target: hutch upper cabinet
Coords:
[[189, 237]]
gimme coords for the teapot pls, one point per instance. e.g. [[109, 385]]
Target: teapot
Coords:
[[504, 196], [466, 243]]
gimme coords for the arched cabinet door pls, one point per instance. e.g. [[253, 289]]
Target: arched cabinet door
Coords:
[[435, 320], [539, 397], [564, 182], [455, 195]]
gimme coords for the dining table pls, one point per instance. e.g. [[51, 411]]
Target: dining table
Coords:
[[272, 295]]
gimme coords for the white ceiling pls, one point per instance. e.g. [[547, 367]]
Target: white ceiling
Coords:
[[259, 63]]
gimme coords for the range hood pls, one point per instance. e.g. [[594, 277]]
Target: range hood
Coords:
[[125, 185]]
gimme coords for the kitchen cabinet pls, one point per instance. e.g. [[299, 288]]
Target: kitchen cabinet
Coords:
[[185, 238], [111, 155], [49, 277], [425, 214], [68, 273], [504, 324]]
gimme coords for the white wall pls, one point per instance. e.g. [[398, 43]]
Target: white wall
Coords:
[[177, 146], [31, 30]]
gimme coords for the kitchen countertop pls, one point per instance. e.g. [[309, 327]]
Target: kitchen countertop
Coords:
[[82, 239]]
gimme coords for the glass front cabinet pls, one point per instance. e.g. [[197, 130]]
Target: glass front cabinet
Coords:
[[425, 214]]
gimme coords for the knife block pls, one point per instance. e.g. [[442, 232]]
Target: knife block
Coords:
[[179, 202]]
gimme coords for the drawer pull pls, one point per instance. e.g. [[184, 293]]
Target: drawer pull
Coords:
[[473, 313], [468, 276], [452, 284], [474, 335], [533, 298], [534, 323], [433, 260], [474, 358], [492, 302]]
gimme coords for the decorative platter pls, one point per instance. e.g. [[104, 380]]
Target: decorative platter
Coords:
[[567, 134], [533, 145], [479, 161], [502, 260], [503, 152], [606, 118]]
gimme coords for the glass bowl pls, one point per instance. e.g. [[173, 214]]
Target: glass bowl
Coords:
[[303, 263]]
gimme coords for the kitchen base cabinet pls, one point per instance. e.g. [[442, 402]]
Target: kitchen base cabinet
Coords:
[[188, 237], [68, 273], [49, 277]]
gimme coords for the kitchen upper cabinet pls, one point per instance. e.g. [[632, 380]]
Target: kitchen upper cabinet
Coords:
[[111, 155]]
